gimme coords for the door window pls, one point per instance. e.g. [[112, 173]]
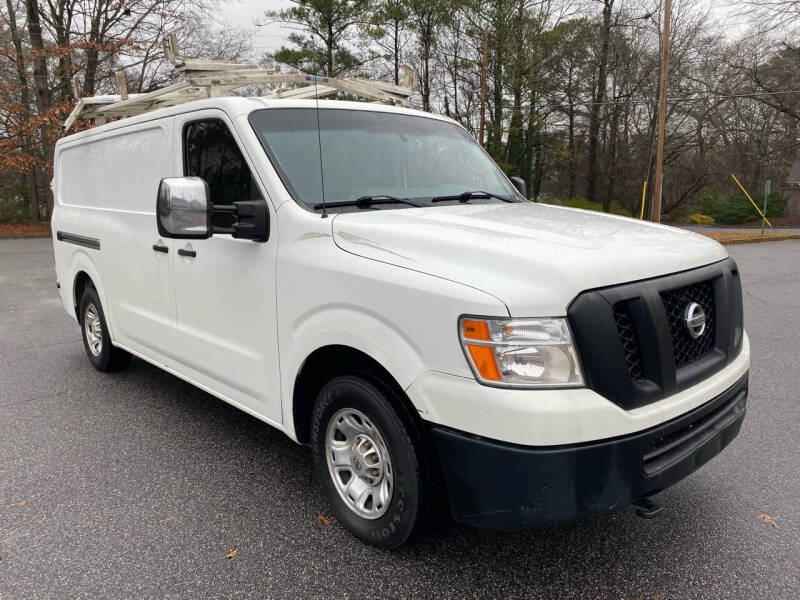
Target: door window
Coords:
[[211, 152]]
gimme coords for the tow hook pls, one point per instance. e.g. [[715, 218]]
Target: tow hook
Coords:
[[647, 508]]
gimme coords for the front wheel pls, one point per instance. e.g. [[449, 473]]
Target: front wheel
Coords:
[[370, 460]]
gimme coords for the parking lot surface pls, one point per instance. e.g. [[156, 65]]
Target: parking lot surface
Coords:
[[137, 485]]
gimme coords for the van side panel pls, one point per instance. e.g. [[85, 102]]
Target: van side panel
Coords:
[[106, 189], [116, 171]]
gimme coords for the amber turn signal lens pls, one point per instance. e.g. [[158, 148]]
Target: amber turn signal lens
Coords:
[[475, 330], [483, 357]]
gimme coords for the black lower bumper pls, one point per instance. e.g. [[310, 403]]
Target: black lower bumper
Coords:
[[505, 486]]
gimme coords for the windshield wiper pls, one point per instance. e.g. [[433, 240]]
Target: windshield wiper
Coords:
[[367, 201], [467, 196]]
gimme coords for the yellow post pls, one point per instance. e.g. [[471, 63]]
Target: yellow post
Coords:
[[763, 216], [644, 191]]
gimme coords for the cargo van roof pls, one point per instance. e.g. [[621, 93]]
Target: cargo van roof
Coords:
[[235, 106]]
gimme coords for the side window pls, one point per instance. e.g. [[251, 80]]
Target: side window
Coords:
[[210, 152]]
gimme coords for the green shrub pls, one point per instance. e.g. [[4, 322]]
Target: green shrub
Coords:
[[579, 202], [738, 209], [700, 219]]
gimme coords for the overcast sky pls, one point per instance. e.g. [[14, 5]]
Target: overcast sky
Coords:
[[244, 13]]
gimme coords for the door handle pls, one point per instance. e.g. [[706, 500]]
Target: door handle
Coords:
[[185, 252], [159, 248]]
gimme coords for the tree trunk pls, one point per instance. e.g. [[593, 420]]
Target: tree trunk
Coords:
[[329, 47], [93, 53], [572, 171], [599, 98], [25, 98], [61, 17], [531, 171], [396, 52], [456, 42], [41, 88], [611, 154], [427, 41], [495, 137], [538, 168], [572, 159], [514, 147]]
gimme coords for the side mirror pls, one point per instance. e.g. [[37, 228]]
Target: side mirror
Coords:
[[182, 209], [519, 183]]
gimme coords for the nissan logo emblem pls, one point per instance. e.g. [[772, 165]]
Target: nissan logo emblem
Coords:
[[694, 318]]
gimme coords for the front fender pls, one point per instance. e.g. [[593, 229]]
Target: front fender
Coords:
[[366, 331], [404, 319]]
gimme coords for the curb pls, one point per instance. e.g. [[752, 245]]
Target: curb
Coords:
[[757, 239]]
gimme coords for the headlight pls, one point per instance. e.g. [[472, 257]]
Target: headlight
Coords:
[[521, 352]]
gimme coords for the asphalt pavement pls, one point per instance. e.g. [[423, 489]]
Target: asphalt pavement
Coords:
[[137, 485]]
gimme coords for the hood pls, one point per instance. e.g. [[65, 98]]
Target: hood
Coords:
[[534, 257]]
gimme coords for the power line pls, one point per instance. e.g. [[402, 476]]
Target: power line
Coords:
[[649, 102]]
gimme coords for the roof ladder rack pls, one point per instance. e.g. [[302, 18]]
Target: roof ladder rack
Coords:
[[210, 79]]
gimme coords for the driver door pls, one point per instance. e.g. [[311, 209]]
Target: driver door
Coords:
[[225, 287]]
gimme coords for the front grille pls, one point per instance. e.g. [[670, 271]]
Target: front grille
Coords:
[[685, 348], [628, 339], [634, 346]]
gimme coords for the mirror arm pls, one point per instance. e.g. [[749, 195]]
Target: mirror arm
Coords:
[[223, 209], [251, 220]]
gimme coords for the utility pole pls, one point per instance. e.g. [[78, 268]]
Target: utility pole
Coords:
[[662, 116], [483, 81]]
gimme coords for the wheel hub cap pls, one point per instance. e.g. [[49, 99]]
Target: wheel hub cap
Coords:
[[94, 330], [359, 463]]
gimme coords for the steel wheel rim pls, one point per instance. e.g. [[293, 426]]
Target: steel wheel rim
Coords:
[[359, 463], [94, 329]]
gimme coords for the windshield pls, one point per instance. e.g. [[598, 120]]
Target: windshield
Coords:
[[371, 153]]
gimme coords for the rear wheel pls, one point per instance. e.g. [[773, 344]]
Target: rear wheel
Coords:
[[102, 354], [370, 460]]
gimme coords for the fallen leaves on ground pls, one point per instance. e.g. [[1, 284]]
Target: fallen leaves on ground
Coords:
[[20, 503], [21, 230], [767, 519], [324, 519], [232, 553]]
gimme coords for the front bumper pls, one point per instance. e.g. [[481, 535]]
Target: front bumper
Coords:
[[498, 485]]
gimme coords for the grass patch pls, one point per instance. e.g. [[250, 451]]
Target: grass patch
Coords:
[[585, 204]]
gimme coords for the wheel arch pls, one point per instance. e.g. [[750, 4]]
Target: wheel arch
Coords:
[[85, 272], [80, 282], [333, 360]]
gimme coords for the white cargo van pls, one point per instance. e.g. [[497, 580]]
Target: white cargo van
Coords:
[[367, 280]]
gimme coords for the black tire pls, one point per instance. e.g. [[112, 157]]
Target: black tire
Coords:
[[410, 506], [108, 357]]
